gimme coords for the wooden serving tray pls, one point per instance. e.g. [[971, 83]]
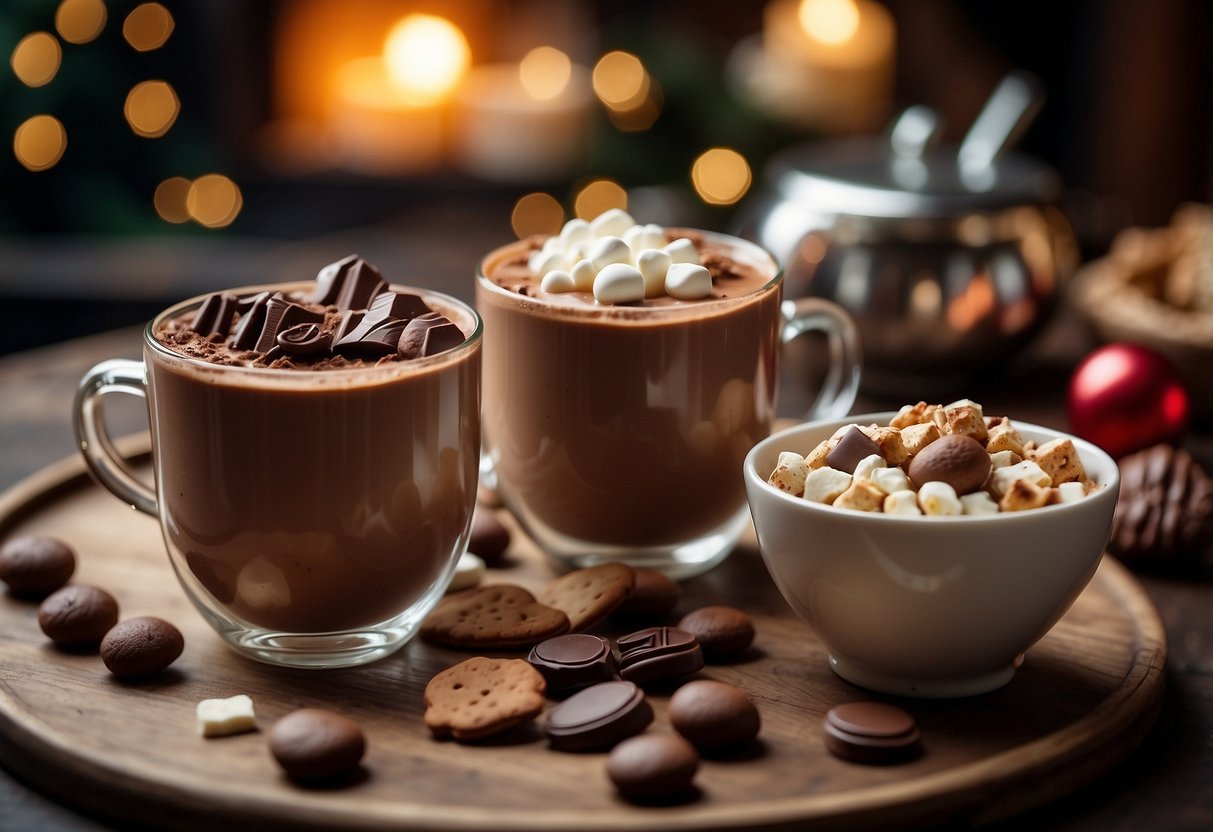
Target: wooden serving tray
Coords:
[[1085, 696]]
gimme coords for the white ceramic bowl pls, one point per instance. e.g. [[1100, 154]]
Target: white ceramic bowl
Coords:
[[927, 606]]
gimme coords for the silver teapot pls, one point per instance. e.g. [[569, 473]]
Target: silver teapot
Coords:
[[949, 258]]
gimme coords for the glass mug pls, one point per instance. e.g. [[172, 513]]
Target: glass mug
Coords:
[[313, 517], [619, 432]]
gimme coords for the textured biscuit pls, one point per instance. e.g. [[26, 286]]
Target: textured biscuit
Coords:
[[914, 414], [964, 419], [588, 595], [1003, 436], [479, 697], [501, 615], [816, 458], [861, 496]]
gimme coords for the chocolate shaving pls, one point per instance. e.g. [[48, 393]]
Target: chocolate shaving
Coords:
[[215, 315], [303, 339], [350, 283]]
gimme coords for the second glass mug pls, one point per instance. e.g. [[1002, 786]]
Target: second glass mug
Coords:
[[618, 433]]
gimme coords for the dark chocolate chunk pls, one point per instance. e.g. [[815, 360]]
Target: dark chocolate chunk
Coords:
[[378, 331], [350, 283], [429, 334], [714, 715], [34, 566], [723, 633], [141, 646], [78, 615], [314, 745], [303, 339], [871, 732], [654, 768], [252, 310], [573, 661], [280, 315], [657, 654], [852, 446], [215, 315], [598, 717]]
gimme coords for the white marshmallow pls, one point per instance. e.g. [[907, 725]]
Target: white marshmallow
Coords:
[[1004, 478], [978, 502], [542, 262], [965, 403], [682, 250], [891, 480], [688, 281], [619, 283], [1071, 492], [867, 466], [553, 243], [223, 717], [578, 251], [576, 231], [1002, 459], [557, 281], [904, 501], [608, 250], [611, 223], [469, 571], [583, 274], [938, 499], [823, 485], [640, 237], [653, 263], [790, 473]]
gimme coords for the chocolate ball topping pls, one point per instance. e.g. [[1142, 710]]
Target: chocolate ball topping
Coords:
[[958, 460]]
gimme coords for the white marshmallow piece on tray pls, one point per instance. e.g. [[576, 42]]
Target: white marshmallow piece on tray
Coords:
[[608, 250], [557, 281], [688, 281], [224, 717], [682, 250], [583, 274], [611, 223], [619, 283], [653, 263], [469, 572]]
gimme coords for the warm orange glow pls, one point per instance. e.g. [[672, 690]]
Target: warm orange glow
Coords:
[[147, 27], [545, 72], [621, 81], [537, 213], [213, 201], [36, 59], [39, 142], [721, 176], [426, 58], [832, 22], [598, 196], [80, 21], [170, 199], [151, 108]]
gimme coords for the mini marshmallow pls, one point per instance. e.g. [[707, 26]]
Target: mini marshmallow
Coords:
[[867, 466], [682, 250], [557, 281], [824, 485], [640, 237], [576, 231], [902, 502], [891, 480], [578, 251], [608, 250], [790, 473], [583, 274], [619, 283], [653, 263], [938, 499], [1071, 492], [469, 572], [1004, 459], [611, 223], [553, 243], [978, 502], [965, 403], [223, 717], [542, 262], [861, 496], [1003, 478], [688, 281]]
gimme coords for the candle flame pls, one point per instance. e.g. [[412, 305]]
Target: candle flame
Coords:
[[832, 22], [426, 57], [545, 72]]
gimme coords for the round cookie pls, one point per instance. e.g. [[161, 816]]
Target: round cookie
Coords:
[[713, 715], [598, 717], [871, 732], [77, 615], [312, 744], [34, 567], [653, 768], [588, 595], [480, 697], [141, 646], [724, 633], [497, 616]]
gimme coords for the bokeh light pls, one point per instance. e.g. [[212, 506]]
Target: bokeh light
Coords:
[[620, 81], [170, 199], [536, 213], [147, 27], [213, 200], [151, 108], [36, 58], [831, 22], [598, 196], [426, 57], [721, 176], [80, 21], [39, 142], [545, 72]]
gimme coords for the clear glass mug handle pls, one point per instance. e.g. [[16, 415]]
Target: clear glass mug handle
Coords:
[[106, 464], [841, 384]]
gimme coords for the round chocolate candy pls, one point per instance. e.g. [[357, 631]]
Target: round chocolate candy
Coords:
[[654, 768], [77, 615], [652, 598], [34, 567], [657, 654], [871, 732], [312, 744], [714, 715], [956, 459], [598, 717], [141, 646], [723, 633], [573, 661], [489, 537]]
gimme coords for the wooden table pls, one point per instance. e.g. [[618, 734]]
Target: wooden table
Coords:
[[1164, 785]]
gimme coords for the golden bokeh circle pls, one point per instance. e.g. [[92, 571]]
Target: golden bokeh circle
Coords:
[[598, 196], [36, 59], [721, 176], [151, 108], [39, 142], [170, 199], [537, 213], [80, 21], [213, 200], [147, 27]]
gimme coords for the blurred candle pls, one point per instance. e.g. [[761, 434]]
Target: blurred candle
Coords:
[[525, 122]]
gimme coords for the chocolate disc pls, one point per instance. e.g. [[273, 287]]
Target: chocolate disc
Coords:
[[598, 717], [657, 654], [573, 661], [871, 732]]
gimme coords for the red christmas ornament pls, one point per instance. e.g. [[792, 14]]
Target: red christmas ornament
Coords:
[[1125, 397]]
